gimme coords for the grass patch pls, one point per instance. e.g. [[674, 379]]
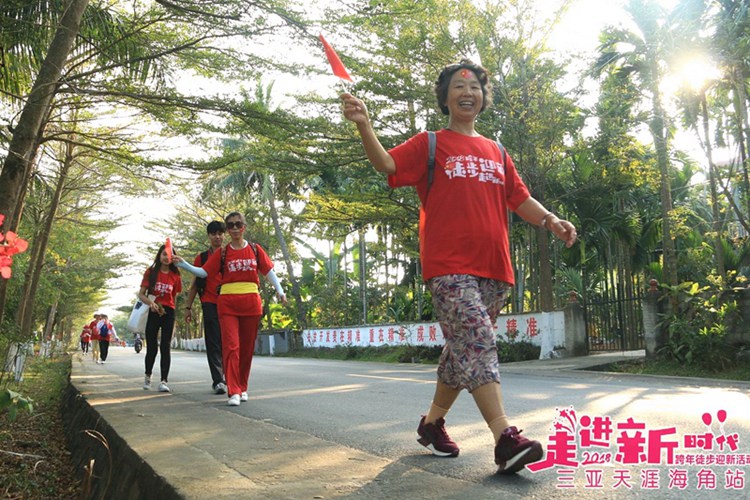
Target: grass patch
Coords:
[[675, 369], [34, 458]]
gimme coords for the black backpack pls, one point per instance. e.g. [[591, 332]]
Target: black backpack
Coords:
[[200, 283], [432, 145]]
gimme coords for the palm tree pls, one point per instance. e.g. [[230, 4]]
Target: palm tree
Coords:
[[730, 28], [640, 55], [23, 144]]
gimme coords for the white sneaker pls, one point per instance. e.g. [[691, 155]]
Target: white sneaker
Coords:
[[243, 396], [147, 382], [163, 387], [234, 400]]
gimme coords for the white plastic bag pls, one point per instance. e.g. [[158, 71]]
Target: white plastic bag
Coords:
[[139, 316]]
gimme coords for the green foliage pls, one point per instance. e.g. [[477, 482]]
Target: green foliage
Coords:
[[517, 348], [698, 329], [508, 352], [13, 402], [675, 368]]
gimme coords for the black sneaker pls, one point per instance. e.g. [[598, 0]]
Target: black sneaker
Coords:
[[514, 452], [436, 439]]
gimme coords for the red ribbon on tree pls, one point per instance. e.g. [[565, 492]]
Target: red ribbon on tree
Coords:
[[333, 58]]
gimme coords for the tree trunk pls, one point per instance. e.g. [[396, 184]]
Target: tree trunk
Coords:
[[301, 312], [25, 140], [26, 307], [665, 185], [21, 149], [363, 273], [744, 130], [718, 250], [546, 294]]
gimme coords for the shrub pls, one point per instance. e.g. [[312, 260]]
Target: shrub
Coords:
[[507, 352], [698, 328], [521, 350]]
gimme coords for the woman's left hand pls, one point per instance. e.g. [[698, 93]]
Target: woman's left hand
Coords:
[[563, 229], [282, 298]]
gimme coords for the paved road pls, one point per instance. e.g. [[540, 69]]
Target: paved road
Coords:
[[355, 428]]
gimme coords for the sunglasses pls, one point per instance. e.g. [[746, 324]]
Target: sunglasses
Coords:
[[235, 225]]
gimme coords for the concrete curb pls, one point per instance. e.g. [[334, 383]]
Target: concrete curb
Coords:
[[118, 471]]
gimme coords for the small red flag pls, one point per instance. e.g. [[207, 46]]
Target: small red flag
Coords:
[[168, 249], [336, 64]]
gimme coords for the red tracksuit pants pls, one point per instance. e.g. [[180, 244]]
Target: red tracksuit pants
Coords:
[[238, 335]]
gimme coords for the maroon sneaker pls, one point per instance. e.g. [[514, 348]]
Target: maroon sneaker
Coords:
[[513, 451], [434, 438]]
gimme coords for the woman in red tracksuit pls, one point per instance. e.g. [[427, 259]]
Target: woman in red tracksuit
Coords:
[[239, 306]]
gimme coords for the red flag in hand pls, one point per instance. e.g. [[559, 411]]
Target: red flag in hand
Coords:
[[168, 249], [336, 64]]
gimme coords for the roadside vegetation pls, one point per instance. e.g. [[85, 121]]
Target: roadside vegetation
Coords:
[[507, 352], [34, 458], [673, 368]]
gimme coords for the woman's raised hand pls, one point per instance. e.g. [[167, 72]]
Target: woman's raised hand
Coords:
[[354, 109]]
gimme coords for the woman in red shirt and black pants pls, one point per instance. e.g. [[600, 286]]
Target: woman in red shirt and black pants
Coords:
[[159, 288]]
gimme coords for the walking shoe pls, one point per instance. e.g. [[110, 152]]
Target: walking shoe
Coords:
[[163, 387], [220, 388], [234, 400], [147, 382], [513, 451], [243, 396], [434, 438]]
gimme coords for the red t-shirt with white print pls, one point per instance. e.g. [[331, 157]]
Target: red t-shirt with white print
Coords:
[[463, 226], [239, 266], [167, 286]]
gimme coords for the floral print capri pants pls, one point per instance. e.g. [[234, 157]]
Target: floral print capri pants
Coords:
[[466, 307]]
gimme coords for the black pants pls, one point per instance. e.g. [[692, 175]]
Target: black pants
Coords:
[[84, 346], [153, 325], [103, 349], [212, 336]]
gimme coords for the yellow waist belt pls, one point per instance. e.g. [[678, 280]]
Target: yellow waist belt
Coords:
[[239, 287]]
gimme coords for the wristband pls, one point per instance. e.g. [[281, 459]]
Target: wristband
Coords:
[[543, 223]]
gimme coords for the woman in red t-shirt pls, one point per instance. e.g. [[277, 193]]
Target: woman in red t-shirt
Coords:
[[239, 306], [464, 249], [159, 288]]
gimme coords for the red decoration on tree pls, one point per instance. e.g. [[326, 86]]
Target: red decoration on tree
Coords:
[[336, 64], [10, 244]]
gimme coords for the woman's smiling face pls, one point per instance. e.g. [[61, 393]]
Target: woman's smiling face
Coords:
[[465, 97]]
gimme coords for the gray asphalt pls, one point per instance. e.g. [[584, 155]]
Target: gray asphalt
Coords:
[[332, 429]]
